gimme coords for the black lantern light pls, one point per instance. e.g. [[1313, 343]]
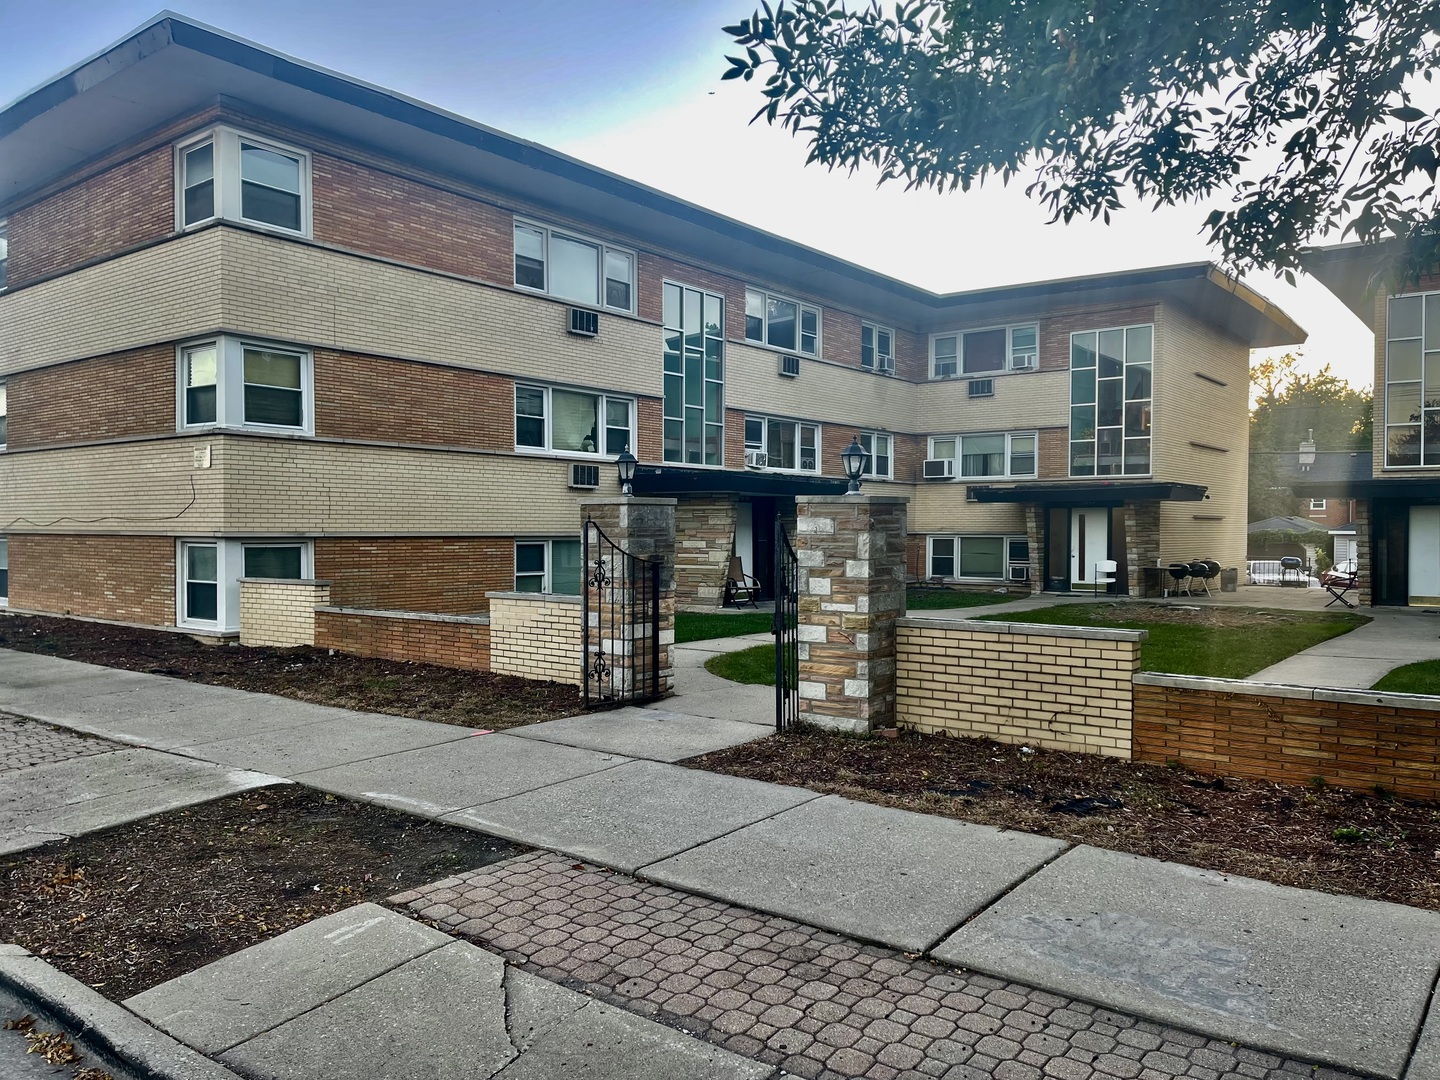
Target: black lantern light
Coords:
[[625, 466], [854, 459]]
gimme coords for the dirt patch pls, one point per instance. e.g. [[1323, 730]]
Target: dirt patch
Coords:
[[1314, 837], [423, 691], [129, 908]]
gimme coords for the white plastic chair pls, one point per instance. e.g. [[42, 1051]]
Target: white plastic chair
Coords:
[[1105, 573]]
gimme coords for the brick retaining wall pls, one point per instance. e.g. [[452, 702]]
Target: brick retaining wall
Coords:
[[280, 612], [535, 636], [458, 641], [1351, 738]]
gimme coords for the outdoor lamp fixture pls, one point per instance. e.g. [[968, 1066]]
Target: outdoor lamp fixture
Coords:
[[854, 458], [625, 466]]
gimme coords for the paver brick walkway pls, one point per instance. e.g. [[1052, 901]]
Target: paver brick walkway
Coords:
[[814, 1003], [26, 743]]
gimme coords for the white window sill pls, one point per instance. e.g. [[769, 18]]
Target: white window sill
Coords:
[[781, 351], [566, 455]]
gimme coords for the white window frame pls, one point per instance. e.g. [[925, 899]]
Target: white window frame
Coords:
[[230, 385], [603, 248], [229, 569], [867, 441], [546, 581], [1427, 357], [4, 417], [5, 570], [764, 447], [959, 453], [958, 539], [603, 397], [801, 308], [226, 164], [1010, 354], [877, 354], [1317, 504], [4, 253]]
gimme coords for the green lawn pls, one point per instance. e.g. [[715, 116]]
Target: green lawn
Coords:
[[1421, 678], [702, 625], [755, 665], [919, 598], [1222, 643]]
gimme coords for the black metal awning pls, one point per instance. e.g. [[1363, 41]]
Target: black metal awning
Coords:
[[1091, 493], [1381, 487], [659, 480]]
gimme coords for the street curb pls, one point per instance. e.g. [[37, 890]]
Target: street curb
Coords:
[[108, 1028]]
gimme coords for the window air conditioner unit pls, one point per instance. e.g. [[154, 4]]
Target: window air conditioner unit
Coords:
[[585, 323], [789, 366], [1023, 362], [1019, 571], [584, 476], [972, 495], [982, 387], [939, 468], [885, 365], [755, 459]]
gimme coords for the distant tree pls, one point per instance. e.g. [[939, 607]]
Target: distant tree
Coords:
[[1301, 112], [1289, 406]]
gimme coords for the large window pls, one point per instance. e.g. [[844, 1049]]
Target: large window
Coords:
[[237, 383], [573, 421], [880, 464], [982, 352], [782, 323], [783, 444], [1412, 380], [548, 566], [987, 558], [1110, 401], [1000, 454], [877, 348], [227, 174], [4, 252], [694, 376], [4, 571], [208, 574], [4, 417], [572, 267]]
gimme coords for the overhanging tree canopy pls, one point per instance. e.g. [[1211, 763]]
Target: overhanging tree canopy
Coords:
[[1305, 113]]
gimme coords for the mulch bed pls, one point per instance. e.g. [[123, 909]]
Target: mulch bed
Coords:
[[423, 691], [1313, 837], [131, 907]]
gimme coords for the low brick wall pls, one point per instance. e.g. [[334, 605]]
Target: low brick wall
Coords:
[[280, 612], [535, 636], [1058, 687], [1290, 734], [458, 641]]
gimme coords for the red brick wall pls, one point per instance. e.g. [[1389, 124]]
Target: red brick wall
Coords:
[[125, 578], [445, 575], [127, 393], [425, 641], [365, 397], [125, 205], [651, 421], [1290, 739], [1054, 451]]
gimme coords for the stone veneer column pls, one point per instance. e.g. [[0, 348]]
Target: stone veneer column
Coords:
[[1142, 542], [1364, 554], [851, 553], [1035, 535], [646, 529]]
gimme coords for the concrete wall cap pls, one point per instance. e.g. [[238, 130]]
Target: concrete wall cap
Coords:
[[535, 597], [424, 616], [629, 500], [1087, 633], [851, 500], [1224, 686]]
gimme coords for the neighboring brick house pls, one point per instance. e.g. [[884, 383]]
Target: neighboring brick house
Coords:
[[1327, 476], [263, 320], [1396, 495]]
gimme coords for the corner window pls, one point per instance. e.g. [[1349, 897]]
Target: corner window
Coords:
[[237, 383], [200, 580], [782, 323], [4, 571], [694, 404], [1004, 454], [782, 444], [574, 268], [980, 558], [1110, 401], [4, 416], [226, 174], [573, 421], [877, 348], [879, 464], [1412, 372], [4, 252], [983, 352], [208, 574], [548, 566]]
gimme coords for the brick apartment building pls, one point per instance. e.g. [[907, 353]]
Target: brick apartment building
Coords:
[[264, 320]]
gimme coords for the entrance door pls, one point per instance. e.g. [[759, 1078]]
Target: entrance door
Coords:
[[1089, 544], [762, 544], [1424, 588]]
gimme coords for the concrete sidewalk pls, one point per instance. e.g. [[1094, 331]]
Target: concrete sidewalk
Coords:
[[1393, 638], [1335, 980]]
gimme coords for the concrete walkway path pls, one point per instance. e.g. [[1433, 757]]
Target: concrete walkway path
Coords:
[[1336, 980], [1393, 638]]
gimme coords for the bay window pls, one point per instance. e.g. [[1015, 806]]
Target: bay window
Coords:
[[782, 323], [237, 177], [208, 573], [785, 444], [573, 421], [233, 382], [572, 267]]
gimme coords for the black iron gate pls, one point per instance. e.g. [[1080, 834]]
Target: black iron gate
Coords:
[[786, 629], [619, 621]]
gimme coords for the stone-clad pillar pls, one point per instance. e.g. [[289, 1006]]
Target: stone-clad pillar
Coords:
[[644, 528], [851, 553]]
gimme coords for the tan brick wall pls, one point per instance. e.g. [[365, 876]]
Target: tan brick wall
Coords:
[[536, 637], [1061, 688], [280, 614], [446, 640], [125, 578], [1289, 735], [124, 394], [449, 575]]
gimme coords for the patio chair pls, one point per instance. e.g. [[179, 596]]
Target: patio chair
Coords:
[[1105, 574], [1337, 585], [740, 587]]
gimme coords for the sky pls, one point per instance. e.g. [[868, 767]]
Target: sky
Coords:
[[634, 86]]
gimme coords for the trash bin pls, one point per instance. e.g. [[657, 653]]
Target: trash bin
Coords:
[[1229, 579]]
